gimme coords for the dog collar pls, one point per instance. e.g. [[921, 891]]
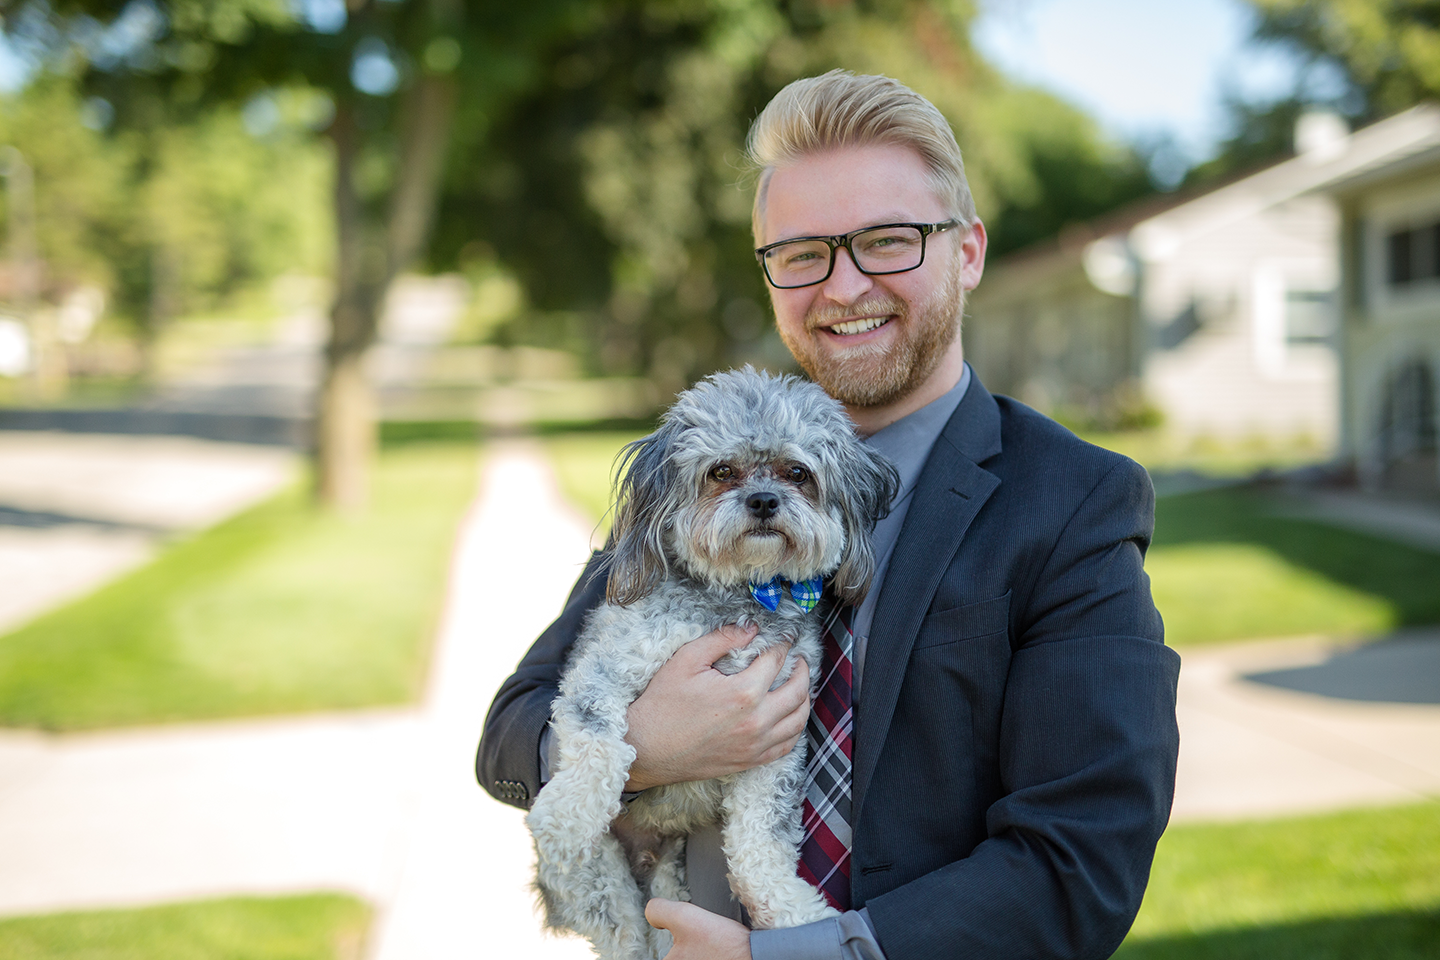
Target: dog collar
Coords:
[[806, 593]]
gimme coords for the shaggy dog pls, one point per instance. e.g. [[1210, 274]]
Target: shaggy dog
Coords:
[[752, 490]]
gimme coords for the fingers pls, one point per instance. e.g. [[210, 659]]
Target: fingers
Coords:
[[715, 644], [760, 675], [792, 707], [660, 913]]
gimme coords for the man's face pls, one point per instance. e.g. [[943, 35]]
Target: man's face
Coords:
[[869, 340]]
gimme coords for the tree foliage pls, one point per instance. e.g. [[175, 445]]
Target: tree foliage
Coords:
[[391, 73], [168, 220], [1386, 54], [616, 193], [1389, 49]]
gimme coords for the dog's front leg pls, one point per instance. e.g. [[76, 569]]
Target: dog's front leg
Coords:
[[582, 871], [762, 836], [599, 900]]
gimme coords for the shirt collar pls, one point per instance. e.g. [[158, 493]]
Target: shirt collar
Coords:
[[907, 441]]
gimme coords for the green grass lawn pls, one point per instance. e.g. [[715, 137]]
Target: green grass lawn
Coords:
[[1160, 451], [281, 609], [585, 467], [315, 927], [1224, 566], [1359, 885]]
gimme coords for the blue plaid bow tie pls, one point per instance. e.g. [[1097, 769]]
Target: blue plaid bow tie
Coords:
[[806, 593]]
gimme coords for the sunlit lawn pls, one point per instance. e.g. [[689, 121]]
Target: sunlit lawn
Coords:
[[1359, 885], [585, 466], [1223, 565], [314, 927], [280, 609], [1162, 452]]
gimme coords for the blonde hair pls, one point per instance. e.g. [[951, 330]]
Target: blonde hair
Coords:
[[841, 109]]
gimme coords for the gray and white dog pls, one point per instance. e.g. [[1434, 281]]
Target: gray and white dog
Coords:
[[749, 478]]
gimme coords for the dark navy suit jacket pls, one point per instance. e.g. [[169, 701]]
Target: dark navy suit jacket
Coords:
[[1015, 739]]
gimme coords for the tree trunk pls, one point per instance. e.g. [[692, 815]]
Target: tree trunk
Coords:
[[366, 263], [345, 420], [345, 433]]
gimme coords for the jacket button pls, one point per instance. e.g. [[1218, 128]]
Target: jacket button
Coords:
[[511, 790]]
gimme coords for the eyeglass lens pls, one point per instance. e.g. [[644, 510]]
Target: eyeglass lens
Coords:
[[882, 250]]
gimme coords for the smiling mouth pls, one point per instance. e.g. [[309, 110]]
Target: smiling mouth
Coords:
[[851, 327]]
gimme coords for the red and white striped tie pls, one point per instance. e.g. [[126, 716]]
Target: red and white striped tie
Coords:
[[825, 852]]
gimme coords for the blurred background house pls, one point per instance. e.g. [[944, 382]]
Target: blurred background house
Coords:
[[1390, 313], [1219, 307]]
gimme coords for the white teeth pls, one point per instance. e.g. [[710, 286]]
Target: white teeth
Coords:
[[851, 327]]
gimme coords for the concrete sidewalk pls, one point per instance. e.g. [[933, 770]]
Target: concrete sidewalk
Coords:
[[1306, 725], [384, 803]]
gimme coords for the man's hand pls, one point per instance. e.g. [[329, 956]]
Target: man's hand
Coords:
[[699, 934], [695, 723]]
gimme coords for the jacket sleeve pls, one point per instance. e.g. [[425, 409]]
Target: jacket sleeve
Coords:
[[1086, 759], [508, 761]]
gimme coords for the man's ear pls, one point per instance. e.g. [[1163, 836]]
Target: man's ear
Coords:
[[971, 251]]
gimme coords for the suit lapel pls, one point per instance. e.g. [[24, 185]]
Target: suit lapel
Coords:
[[950, 492]]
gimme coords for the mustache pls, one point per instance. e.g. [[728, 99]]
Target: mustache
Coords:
[[875, 305]]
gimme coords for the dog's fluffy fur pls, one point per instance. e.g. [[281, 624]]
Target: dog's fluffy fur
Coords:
[[693, 528]]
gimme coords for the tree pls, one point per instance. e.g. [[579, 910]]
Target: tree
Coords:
[[1389, 49], [392, 73], [1384, 53]]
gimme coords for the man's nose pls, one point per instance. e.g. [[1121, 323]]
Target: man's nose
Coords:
[[846, 283]]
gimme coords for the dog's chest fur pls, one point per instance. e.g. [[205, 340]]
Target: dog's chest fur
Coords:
[[622, 647]]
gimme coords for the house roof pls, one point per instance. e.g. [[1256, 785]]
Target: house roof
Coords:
[[1155, 225], [1378, 146]]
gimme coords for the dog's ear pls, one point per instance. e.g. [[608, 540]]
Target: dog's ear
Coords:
[[871, 483], [637, 538]]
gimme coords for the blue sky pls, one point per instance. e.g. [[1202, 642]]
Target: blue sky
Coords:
[[1142, 67]]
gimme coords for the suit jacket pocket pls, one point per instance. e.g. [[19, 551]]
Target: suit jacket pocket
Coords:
[[983, 618]]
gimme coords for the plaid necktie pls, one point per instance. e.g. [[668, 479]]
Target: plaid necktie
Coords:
[[825, 815]]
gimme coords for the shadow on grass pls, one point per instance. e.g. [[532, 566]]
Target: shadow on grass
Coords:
[[1403, 935], [1403, 576]]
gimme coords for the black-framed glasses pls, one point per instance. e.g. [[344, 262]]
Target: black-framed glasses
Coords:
[[887, 248]]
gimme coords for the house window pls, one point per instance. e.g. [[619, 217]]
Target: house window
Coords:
[[1413, 255], [1310, 316]]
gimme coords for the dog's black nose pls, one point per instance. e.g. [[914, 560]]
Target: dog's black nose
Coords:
[[763, 504]]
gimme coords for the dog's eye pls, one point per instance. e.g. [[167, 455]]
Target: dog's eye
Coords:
[[798, 474], [722, 472]]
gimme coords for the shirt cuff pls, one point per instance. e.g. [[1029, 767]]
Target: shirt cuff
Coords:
[[549, 754], [846, 937]]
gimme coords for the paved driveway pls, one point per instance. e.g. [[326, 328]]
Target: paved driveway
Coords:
[[77, 510]]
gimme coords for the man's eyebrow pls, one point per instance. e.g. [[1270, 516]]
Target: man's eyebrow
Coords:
[[878, 221]]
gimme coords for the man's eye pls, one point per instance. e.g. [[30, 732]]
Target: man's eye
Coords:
[[798, 474], [887, 243], [721, 472]]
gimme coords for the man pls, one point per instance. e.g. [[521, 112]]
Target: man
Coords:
[[1014, 734]]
